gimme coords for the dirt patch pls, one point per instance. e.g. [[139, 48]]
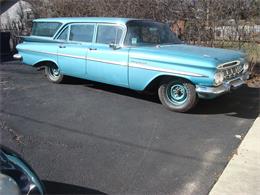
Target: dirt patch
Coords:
[[15, 136]]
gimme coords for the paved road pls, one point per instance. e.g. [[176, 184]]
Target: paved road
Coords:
[[83, 136]]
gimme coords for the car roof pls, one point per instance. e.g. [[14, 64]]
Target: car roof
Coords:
[[86, 19]]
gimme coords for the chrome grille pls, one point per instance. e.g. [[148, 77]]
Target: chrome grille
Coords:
[[231, 70]]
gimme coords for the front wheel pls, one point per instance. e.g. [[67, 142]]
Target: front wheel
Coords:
[[178, 95], [53, 73]]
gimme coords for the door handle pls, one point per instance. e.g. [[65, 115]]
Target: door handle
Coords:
[[92, 49], [62, 46]]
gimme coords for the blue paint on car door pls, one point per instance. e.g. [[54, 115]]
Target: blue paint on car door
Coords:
[[72, 54], [106, 64], [72, 59]]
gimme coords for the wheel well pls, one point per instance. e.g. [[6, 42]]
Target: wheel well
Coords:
[[155, 83], [43, 64]]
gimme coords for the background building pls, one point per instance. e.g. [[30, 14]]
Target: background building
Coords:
[[15, 18]]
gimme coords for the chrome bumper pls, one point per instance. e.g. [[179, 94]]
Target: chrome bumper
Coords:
[[211, 92], [17, 56]]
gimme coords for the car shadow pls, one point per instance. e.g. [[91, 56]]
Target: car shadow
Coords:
[[52, 187], [241, 103], [113, 89]]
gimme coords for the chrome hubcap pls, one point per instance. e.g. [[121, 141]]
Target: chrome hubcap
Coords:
[[54, 72]]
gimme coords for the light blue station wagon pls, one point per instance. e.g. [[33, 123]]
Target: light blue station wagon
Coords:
[[132, 53]]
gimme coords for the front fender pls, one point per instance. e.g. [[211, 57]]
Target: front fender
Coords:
[[140, 78]]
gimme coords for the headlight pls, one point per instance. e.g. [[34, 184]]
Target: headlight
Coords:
[[218, 78], [245, 67]]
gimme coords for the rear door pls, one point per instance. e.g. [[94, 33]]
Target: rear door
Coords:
[[73, 49]]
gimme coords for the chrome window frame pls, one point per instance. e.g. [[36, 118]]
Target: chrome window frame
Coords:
[[61, 31]]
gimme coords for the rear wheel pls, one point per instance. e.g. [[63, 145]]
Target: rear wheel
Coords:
[[53, 73], [178, 95]]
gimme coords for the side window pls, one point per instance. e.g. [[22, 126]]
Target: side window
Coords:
[[45, 29], [81, 32], [64, 34], [109, 34]]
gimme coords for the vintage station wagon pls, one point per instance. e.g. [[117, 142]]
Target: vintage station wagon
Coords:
[[133, 53]]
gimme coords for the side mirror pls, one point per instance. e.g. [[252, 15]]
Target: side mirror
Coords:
[[114, 46]]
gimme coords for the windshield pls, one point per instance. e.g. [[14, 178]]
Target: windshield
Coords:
[[140, 32]]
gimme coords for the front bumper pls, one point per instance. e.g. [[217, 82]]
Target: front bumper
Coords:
[[212, 92]]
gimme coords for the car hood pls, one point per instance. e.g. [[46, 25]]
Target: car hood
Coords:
[[186, 52]]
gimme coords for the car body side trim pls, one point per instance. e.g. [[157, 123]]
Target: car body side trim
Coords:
[[107, 61], [175, 72], [78, 57], [71, 56], [131, 64]]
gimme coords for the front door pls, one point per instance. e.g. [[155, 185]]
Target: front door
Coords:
[[105, 63], [72, 53]]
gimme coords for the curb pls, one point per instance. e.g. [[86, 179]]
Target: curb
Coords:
[[242, 174]]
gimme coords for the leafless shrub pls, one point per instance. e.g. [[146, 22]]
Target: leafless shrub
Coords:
[[214, 23]]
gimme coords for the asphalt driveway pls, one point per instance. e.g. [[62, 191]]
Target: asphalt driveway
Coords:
[[88, 137]]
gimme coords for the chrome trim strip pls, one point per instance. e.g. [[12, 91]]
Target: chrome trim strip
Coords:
[[175, 72], [44, 52], [131, 64], [79, 57], [107, 61], [71, 56]]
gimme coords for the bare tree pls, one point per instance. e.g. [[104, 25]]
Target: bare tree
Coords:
[[215, 23]]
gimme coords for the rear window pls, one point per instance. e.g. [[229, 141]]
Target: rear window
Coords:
[[45, 29]]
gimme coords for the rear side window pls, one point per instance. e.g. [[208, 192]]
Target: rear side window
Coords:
[[109, 34], [81, 33], [45, 29]]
